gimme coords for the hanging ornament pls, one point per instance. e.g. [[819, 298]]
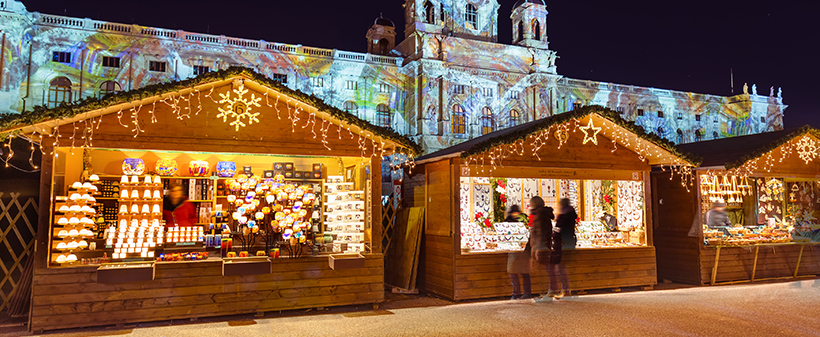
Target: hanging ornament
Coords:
[[807, 148], [590, 132]]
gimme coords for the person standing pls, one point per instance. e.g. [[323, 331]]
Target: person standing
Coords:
[[541, 232], [563, 237], [717, 217], [518, 263], [176, 210]]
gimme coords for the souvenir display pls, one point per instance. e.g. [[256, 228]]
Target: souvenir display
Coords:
[[344, 215], [133, 166], [199, 168], [226, 169], [166, 167], [613, 211]]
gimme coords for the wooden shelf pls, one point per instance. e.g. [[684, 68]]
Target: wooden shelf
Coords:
[[200, 200]]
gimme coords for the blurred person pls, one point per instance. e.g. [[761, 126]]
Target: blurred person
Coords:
[[563, 237], [177, 210], [541, 232], [717, 217], [518, 263]]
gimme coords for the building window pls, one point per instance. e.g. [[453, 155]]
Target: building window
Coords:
[[536, 28], [520, 31], [109, 87], [699, 135], [383, 117], [660, 131], [660, 114], [458, 89], [697, 118], [487, 121], [471, 16], [515, 117], [715, 135], [515, 94], [384, 88], [488, 92], [458, 120], [351, 85], [317, 82], [620, 110], [680, 115], [199, 70], [59, 91], [640, 112], [763, 119], [281, 78], [156, 66], [441, 12], [351, 108], [679, 136], [429, 12], [577, 105], [61, 56], [715, 120], [111, 62]]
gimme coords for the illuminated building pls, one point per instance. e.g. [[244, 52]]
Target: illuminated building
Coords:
[[447, 81]]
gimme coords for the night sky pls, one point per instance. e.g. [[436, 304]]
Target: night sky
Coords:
[[680, 45]]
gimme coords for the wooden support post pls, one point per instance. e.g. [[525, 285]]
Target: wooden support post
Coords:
[[715, 267], [799, 257], [754, 266]]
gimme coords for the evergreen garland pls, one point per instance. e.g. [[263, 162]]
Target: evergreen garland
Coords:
[[806, 129], [66, 110]]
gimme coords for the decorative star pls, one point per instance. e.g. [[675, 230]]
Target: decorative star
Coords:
[[594, 134]]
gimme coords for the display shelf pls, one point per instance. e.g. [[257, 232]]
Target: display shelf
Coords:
[[200, 200]]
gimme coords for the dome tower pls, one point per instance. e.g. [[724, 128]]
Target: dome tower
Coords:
[[381, 37], [529, 18]]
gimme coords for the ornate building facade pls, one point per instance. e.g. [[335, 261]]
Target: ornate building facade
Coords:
[[448, 80]]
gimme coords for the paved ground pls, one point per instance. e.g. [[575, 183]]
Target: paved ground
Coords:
[[776, 309]]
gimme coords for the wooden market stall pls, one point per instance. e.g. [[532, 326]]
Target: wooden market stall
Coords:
[[770, 184], [236, 141], [591, 155]]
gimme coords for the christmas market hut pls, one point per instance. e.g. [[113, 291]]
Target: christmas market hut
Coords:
[[224, 194], [753, 214], [590, 155]]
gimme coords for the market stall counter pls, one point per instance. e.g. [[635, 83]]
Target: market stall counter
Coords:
[[591, 156], [752, 216], [249, 197]]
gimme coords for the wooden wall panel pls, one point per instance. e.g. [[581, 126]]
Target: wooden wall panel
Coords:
[[439, 198], [70, 297], [675, 209], [485, 275], [736, 263], [437, 265]]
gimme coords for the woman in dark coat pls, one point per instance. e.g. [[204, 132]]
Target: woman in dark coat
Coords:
[[518, 263], [563, 237], [541, 231]]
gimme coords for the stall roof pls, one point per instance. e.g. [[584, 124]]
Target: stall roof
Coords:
[[515, 133], [735, 151], [33, 121]]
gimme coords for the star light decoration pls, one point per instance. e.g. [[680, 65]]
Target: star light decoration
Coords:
[[238, 108], [807, 148], [594, 130]]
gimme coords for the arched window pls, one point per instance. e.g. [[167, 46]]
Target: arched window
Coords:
[[59, 91], [660, 131], [679, 139], [536, 29], [384, 46], [515, 117], [487, 121], [458, 120], [429, 12], [520, 31], [699, 135], [383, 117], [577, 105], [471, 16], [352, 108], [715, 135], [109, 87]]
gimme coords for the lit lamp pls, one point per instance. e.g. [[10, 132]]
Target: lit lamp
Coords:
[[231, 198], [133, 166], [199, 168], [166, 167], [226, 169]]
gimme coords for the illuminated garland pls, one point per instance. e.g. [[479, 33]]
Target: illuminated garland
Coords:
[[799, 143], [185, 107], [759, 153]]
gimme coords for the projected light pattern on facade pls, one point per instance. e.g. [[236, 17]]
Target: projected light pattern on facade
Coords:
[[450, 61]]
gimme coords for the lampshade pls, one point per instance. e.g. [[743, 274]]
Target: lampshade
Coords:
[[124, 179], [135, 194], [157, 209], [157, 195], [135, 209], [94, 178], [146, 194], [166, 167], [226, 169], [157, 180], [124, 194], [133, 166], [146, 209], [76, 185], [231, 198], [123, 209], [199, 168]]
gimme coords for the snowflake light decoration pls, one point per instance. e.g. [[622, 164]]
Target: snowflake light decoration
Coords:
[[238, 108], [807, 148]]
